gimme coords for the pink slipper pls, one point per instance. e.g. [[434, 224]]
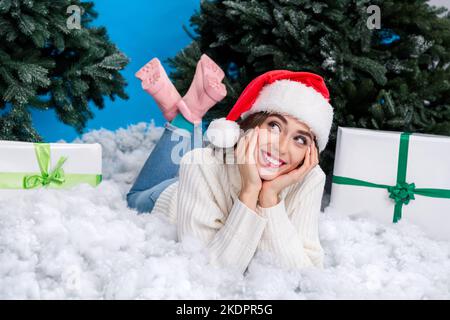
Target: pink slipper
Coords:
[[156, 82], [212, 68], [205, 91]]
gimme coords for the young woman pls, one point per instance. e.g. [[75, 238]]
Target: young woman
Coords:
[[268, 196]]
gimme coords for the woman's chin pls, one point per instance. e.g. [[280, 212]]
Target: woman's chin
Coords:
[[268, 174]]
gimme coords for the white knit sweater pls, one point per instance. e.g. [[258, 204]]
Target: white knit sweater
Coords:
[[204, 203]]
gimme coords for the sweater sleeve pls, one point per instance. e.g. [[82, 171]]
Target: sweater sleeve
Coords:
[[294, 241], [231, 239]]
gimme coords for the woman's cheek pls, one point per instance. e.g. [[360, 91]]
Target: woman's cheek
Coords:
[[263, 137], [300, 159]]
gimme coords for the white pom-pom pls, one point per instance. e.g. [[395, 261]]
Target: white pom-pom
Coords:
[[223, 133]]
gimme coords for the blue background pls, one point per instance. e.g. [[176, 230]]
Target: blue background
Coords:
[[142, 29]]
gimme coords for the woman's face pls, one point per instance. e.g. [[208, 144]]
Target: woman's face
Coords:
[[282, 145]]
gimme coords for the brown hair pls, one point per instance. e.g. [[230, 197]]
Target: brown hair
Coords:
[[254, 120]]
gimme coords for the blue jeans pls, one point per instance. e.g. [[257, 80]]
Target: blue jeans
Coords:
[[161, 168]]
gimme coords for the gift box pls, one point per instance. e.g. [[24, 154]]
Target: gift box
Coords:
[[25, 165], [394, 177]]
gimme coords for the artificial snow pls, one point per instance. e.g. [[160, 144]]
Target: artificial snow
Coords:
[[85, 243]]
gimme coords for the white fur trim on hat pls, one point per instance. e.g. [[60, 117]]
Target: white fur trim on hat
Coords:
[[300, 101], [223, 133]]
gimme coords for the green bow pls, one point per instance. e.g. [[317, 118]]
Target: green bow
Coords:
[[402, 192], [45, 178]]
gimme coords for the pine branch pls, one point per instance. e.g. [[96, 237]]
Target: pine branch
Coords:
[[40, 57]]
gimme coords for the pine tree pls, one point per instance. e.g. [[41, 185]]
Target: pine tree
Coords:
[[47, 64], [396, 77]]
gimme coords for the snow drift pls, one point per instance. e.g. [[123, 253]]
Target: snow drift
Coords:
[[85, 243]]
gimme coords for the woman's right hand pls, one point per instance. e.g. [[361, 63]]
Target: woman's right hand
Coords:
[[246, 159]]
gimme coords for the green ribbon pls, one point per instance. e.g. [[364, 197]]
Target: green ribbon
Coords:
[[402, 193], [56, 178], [45, 178]]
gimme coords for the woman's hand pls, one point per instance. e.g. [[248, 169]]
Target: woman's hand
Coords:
[[270, 191], [246, 159]]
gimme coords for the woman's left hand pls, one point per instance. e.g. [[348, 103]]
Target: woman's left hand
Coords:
[[268, 197]]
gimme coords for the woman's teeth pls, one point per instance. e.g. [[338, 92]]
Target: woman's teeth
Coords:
[[274, 163]]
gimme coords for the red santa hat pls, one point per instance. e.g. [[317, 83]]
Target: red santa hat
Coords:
[[302, 95]]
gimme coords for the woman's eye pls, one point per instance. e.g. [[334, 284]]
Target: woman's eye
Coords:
[[274, 126], [301, 140]]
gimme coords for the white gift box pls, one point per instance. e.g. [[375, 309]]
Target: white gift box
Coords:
[[373, 156], [79, 163]]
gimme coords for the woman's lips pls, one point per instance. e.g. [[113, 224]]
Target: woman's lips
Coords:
[[268, 160]]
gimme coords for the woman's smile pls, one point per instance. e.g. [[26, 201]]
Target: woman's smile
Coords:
[[269, 166], [270, 161]]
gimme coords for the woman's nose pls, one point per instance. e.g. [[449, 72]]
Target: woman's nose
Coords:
[[279, 144], [282, 144]]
